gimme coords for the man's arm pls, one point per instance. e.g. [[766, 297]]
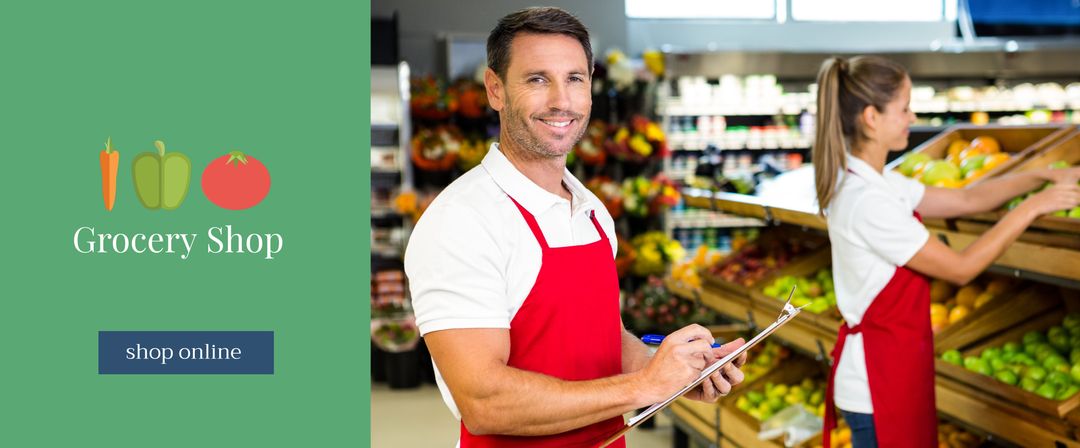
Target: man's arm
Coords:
[[498, 399], [635, 354]]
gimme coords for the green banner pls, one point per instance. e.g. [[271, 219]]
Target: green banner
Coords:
[[185, 166]]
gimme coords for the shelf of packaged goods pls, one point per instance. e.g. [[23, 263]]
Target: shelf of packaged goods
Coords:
[[1023, 256], [1003, 419]]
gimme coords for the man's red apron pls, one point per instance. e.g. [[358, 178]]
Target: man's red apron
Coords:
[[569, 328], [899, 348]]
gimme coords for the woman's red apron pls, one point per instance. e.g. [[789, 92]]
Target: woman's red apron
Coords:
[[899, 348], [569, 328]]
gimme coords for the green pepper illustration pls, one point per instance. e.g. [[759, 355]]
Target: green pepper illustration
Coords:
[[161, 180]]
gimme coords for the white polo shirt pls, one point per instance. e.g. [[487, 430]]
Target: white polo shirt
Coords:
[[872, 230], [472, 259]]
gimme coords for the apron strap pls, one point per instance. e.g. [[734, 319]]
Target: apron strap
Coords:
[[830, 387], [599, 230], [531, 221]]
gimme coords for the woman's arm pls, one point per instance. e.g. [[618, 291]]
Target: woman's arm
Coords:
[[937, 260], [989, 195]]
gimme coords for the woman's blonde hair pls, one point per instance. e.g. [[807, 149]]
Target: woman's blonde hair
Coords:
[[845, 89]]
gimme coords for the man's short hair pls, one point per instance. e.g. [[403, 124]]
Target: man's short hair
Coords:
[[541, 20]]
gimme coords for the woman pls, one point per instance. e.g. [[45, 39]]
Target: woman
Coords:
[[883, 371]]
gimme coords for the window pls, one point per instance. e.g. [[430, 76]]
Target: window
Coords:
[[868, 10], [701, 9]]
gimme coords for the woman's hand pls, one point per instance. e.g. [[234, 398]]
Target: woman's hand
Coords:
[[1060, 175], [1061, 196]]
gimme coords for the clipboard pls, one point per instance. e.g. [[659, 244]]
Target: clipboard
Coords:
[[786, 314]]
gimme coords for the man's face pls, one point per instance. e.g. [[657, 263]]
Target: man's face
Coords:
[[545, 100]]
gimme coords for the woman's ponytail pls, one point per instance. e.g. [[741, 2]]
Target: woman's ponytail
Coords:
[[829, 151]]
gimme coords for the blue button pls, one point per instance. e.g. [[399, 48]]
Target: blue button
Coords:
[[186, 352]]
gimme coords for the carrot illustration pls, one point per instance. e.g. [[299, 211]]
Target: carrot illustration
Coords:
[[110, 161]]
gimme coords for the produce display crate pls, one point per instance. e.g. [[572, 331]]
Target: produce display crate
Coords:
[[827, 323], [810, 242], [743, 429], [1019, 141], [1067, 149], [975, 384], [1019, 302]]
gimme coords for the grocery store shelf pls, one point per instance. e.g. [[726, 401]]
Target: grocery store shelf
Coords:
[[1003, 419], [1025, 257], [702, 433]]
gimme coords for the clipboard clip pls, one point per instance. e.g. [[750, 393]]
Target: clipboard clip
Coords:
[[789, 310]]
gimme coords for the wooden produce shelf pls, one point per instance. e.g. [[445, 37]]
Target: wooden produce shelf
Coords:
[[724, 302], [1001, 418], [1037, 258], [688, 420]]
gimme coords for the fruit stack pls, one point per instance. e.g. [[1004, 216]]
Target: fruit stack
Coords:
[[762, 361], [949, 436], [1045, 363], [950, 305], [816, 292], [964, 162], [763, 402], [759, 259], [687, 273], [1071, 213]]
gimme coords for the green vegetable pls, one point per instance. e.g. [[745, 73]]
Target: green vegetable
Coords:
[[161, 180]]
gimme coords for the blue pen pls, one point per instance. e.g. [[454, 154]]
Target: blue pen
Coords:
[[656, 339]]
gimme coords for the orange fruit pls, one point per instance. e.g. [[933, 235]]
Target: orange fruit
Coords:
[[982, 299], [987, 145], [997, 286], [966, 296], [957, 314], [993, 160], [955, 148], [940, 291]]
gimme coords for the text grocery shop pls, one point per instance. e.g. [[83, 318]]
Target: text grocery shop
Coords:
[[88, 240]]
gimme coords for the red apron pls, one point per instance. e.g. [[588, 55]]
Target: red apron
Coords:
[[569, 329], [899, 350]]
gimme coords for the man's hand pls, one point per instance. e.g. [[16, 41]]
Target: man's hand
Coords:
[[721, 381], [681, 358]]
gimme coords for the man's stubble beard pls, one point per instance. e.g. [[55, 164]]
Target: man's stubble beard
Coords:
[[517, 130]]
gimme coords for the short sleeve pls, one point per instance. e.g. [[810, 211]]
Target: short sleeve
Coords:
[[912, 189], [888, 227], [452, 262]]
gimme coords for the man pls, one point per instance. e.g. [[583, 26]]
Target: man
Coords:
[[512, 268]]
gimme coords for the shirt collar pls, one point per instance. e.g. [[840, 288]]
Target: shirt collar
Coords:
[[866, 172], [532, 197]]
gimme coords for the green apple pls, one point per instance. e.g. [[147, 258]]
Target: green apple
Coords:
[[1036, 373], [973, 163], [1067, 392], [952, 357], [1058, 378], [991, 353], [1074, 212], [1032, 337], [939, 171], [912, 161], [1053, 361], [1007, 377], [1011, 347], [1059, 165], [997, 364], [1047, 391], [743, 403], [1029, 384]]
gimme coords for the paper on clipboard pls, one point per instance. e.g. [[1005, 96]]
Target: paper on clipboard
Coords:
[[786, 315]]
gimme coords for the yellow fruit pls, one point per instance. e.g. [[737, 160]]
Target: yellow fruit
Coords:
[[982, 299], [939, 317], [940, 291], [958, 313], [966, 296]]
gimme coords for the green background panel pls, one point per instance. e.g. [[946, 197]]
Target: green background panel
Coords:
[[286, 83]]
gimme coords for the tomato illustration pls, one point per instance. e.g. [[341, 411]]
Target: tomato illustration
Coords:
[[236, 181]]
